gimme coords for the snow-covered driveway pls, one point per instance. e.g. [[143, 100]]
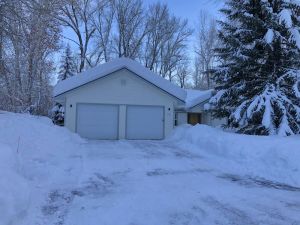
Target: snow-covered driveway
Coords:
[[198, 176], [159, 183]]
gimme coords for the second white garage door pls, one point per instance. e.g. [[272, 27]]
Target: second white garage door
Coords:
[[97, 121], [145, 122]]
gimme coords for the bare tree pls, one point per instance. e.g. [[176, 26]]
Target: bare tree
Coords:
[[207, 41], [183, 73], [166, 42], [103, 22], [78, 16], [197, 75], [125, 28], [158, 21], [29, 36], [174, 50], [131, 28]]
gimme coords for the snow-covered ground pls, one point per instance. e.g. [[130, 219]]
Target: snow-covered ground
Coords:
[[200, 175]]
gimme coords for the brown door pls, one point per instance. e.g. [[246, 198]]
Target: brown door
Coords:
[[194, 118]]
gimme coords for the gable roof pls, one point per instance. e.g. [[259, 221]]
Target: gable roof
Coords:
[[113, 66], [196, 97]]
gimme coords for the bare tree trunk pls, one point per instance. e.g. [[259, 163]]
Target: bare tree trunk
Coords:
[[132, 28], [207, 41], [103, 23], [77, 14]]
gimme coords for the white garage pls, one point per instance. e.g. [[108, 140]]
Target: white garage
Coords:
[[120, 99]]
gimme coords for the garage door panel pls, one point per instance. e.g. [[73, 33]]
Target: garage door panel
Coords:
[[145, 122], [96, 121]]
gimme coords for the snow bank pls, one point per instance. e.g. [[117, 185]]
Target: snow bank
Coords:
[[34, 132], [14, 191], [269, 157], [43, 148], [34, 155]]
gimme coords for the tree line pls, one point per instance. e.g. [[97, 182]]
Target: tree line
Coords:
[[33, 33], [251, 60]]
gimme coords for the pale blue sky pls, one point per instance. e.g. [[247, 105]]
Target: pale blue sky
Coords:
[[190, 9]]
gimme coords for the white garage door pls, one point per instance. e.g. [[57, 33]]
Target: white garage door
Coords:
[[96, 121], [145, 122]]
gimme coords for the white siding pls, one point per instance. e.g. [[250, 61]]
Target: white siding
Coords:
[[121, 88], [181, 118], [206, 118]]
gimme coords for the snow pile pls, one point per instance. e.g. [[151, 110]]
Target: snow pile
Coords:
[[34, 156], [14, 191], [269, 157], [42, 146]]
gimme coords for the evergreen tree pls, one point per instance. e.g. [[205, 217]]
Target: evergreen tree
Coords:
[[258, 85], [68, 66], [67, 69], [58, 114]]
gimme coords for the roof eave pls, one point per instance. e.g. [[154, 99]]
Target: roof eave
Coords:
[[115, 70], [197, 104]]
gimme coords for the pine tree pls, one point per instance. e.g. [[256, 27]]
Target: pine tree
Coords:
[[68, 66], [67, 69], [259, 81], [58, 114]]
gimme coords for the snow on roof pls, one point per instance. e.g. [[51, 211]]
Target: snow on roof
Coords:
[[113, 66], [195, 97]]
